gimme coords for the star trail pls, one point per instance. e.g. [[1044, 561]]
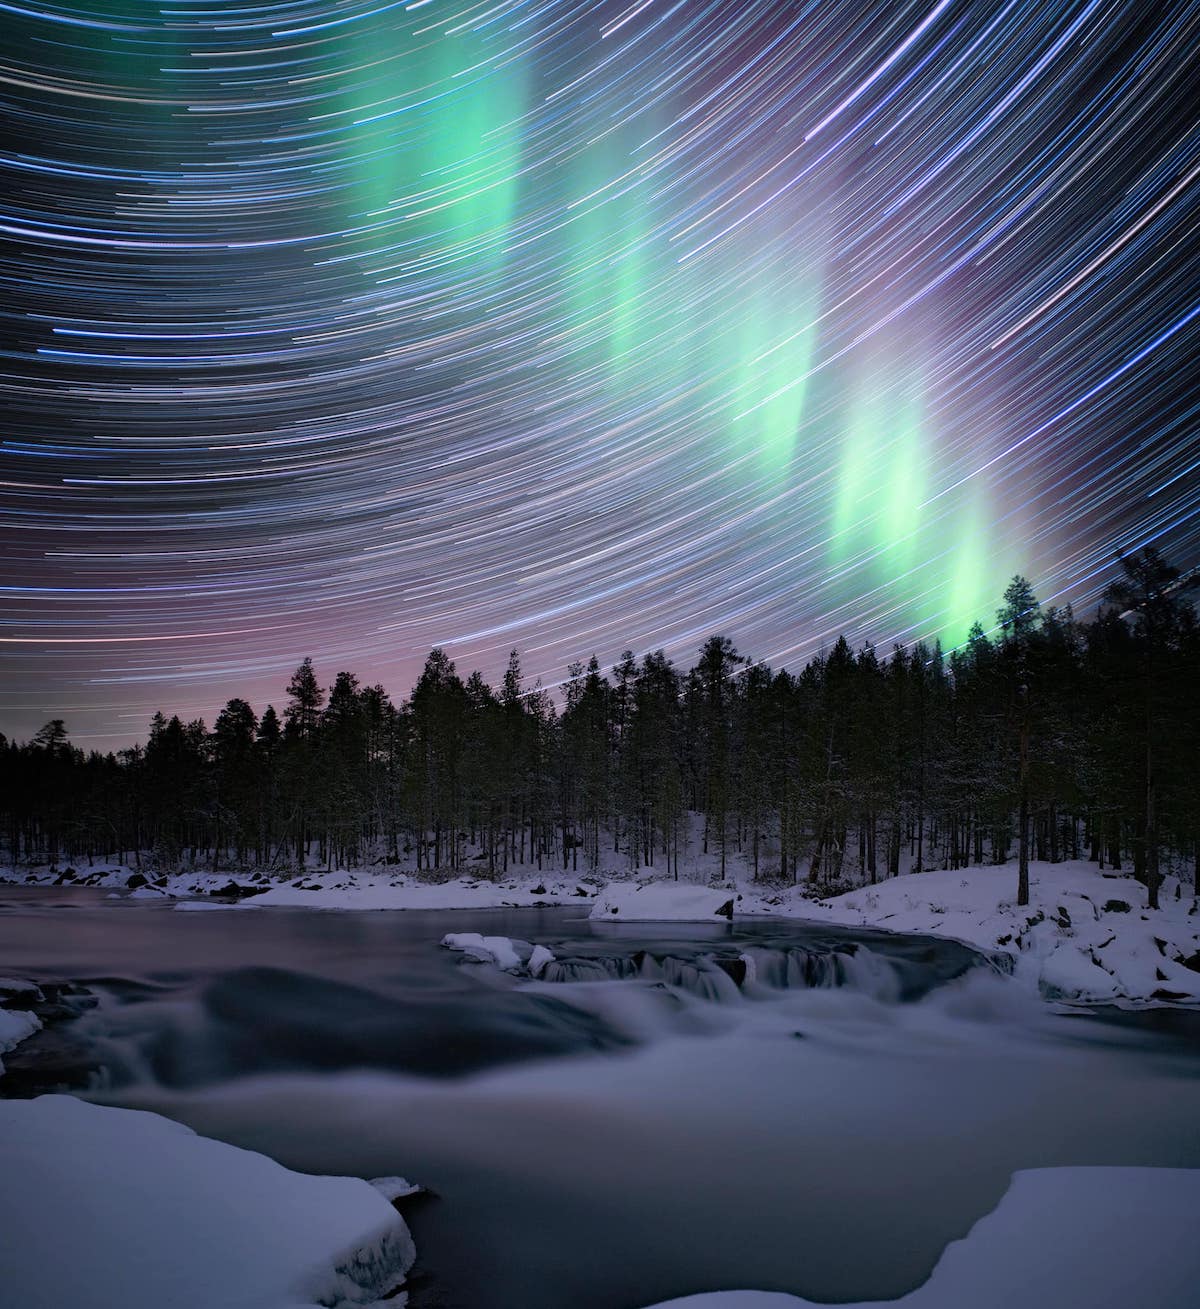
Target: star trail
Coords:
[[348, 329]]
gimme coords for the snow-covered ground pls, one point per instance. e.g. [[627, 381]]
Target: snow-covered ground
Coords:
[[1084, 936], [367, 891], [365, 888], [663, 902], [1061, 1238], [120, 1209]]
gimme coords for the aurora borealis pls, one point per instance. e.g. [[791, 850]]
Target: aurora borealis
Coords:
[[349, 329]]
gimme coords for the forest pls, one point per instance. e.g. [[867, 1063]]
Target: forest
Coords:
[[1047, 738]]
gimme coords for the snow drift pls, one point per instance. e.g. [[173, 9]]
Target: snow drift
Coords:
[[1107, 1238], [114, 1208]]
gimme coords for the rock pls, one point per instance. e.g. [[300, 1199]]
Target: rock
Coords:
[[233, 891], [17, 993], [134, 880], [1116, 906], [47, 1061], [734, 969]]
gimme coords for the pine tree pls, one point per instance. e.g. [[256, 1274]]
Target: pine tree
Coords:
[[1019, 619]]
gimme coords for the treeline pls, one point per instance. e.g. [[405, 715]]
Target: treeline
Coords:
[[1052, 738]]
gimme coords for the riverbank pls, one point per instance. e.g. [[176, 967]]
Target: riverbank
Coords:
[[1086, 936]]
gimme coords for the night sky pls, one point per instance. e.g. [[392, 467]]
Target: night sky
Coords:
[[348, 329]]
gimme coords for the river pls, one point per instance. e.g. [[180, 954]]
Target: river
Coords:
[[641, 1127]]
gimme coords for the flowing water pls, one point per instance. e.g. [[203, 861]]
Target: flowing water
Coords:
[[776, 1105]]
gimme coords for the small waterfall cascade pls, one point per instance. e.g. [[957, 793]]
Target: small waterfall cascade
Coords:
[[723, 976]]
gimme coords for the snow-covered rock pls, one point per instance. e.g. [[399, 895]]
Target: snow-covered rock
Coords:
[[15, 1026], [652, 902], [18, 988], [118, 1209], [1107, 1238], [502, 951], [538, 960]]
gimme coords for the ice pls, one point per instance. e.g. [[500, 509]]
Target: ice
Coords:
[[1108, 1238], [121, 1209], [395, 1188]]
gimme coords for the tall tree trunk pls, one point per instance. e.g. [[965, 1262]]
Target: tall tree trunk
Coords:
[[1023, 834], [1151, 815]]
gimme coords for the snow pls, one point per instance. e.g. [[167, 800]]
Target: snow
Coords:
[[15, 1026], [502, 951], [116, 1208], [356, 891], [1071, 940], [662, 902], [538, 960], [1107, 1238]]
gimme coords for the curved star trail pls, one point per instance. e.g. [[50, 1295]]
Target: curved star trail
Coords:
[[348, 329]]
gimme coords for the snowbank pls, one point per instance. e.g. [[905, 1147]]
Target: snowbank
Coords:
[[1085, 936], [678, 902], [114, 1208], [368, 891], [1107, 1238], [375, 887]]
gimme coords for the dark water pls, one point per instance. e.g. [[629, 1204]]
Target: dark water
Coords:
[[652, 1122]]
